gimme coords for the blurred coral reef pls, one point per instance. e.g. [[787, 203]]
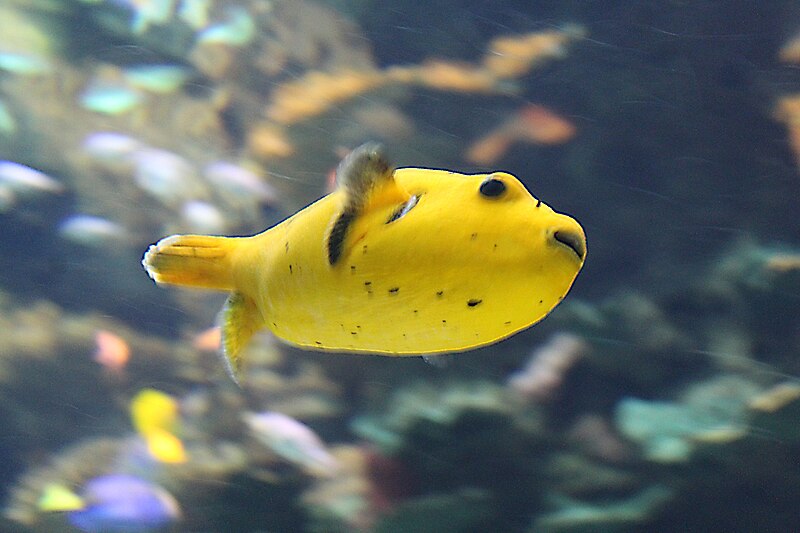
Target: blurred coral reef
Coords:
[[663, 396]]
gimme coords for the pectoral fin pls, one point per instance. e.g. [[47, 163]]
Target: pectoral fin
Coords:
[[240, 320]]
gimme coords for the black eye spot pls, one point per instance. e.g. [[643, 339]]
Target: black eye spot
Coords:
[[492, 187]]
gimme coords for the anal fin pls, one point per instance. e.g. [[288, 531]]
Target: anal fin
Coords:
[[239, 321]]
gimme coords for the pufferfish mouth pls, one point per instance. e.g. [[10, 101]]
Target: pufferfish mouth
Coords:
[[572, 240]]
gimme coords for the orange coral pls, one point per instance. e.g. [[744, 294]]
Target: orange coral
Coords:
[[317, 91], [508, 57], [542, 126], [267, 141], [533, 123], [452, 76], [511, 57], [489, 148], [790, 51], [788, 112]]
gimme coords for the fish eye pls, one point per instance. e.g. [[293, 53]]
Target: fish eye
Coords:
[[492, 187]]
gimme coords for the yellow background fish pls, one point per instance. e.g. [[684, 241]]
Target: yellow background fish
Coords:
[[155, 416], [396, 262]]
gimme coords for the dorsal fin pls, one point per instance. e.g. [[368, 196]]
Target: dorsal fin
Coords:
[[359, 174], [363, 170]]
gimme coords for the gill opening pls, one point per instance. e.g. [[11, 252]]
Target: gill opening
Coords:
[[403, 210]]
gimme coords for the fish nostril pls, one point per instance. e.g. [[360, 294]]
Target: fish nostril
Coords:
[[573, 240]]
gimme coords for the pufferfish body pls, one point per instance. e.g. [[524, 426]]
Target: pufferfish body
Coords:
[[411, 261]]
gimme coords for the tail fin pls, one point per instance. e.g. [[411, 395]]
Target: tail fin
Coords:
[[192, 260], [206, 262]]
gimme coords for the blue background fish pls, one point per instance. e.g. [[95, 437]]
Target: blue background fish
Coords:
[[122, 503]]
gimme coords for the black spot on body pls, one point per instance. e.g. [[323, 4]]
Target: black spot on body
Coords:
[[473, 236], [353, 333], [364, 249], [444, 322], [439, 293], [507, 323], [290, 268], [394, 290], [318, 343], [286, 247], [416, 311], [473, 302], [541, 301], [352, 269]]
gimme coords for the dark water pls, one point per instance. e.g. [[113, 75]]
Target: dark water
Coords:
[[662, 395]]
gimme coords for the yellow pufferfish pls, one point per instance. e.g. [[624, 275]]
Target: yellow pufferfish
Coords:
[[411, 261]]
